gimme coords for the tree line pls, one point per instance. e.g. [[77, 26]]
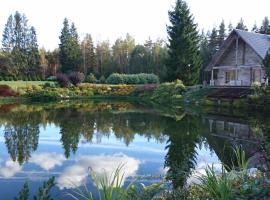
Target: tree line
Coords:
[[184, 55]]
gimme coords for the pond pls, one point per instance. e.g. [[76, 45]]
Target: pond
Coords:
[[66, 139]]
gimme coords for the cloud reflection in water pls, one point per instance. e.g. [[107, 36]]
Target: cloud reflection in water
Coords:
[[103, 165]]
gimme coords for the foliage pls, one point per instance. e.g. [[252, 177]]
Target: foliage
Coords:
[[216, 186], [19, 45], [108, 90], [102, 79], [24, 193], [89, 58], [169, 92], [91, 78], [7, 91], [70, 53], [132, 78], [43, 95], [43, 192], [184, 60], [76, 78], [62, 80], [110, 188], [266, 63]]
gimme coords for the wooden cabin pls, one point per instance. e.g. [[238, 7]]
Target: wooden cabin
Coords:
[[238, 62]]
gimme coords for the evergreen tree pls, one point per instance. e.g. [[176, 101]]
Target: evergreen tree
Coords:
[[266, 63], [214, 42], [89, 62], [70, 53], [265, 28], [33, 53], [230, 27], [221, 33], [19, 43], [184, 61], [255, 28], [8, 41], [241, 25]]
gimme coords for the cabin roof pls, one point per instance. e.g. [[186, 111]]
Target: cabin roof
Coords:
[[260, 43]]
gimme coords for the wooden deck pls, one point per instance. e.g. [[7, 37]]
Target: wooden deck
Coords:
[[229, 92]]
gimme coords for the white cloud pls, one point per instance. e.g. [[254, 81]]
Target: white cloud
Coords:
[[47, 161], [103, 165], [9, 169]]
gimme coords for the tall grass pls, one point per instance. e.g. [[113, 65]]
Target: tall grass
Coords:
[[221, 185], [110, 188]]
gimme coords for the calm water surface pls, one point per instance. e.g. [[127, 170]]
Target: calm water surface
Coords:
[[65, 139]]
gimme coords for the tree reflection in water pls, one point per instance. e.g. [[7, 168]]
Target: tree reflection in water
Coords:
[[183, 133]]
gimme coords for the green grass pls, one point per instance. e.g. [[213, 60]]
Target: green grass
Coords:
[[16, 84]]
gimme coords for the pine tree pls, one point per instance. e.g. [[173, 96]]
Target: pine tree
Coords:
[[19, 43], [8, 41], [63, 46], [265, 28], [255, 28], [214, 42], [241, 25], [70, 52], [184, 61], [221, 33], [33, 53], [230, 27], [89, 62]]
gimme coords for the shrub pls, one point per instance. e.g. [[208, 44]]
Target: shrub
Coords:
[[62, 80], [132, 78], [51, 78], [6, 91], [43, 95], [91, 78], [115, 79], [102, 79], [76, 78], [169, 92]]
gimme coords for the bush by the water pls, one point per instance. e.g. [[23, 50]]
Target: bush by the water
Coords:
[[169, 92], [76, 77], [91, 78], [6, 91], [132, 78], [62, 80]]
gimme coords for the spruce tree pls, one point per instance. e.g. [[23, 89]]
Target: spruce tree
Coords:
[[255, 28], [214, 42], [265, 28], [221, 33], [19, 43], [70, 53], [184, 61], [33, 53], [241, 25], [89, 62], [230, 27]]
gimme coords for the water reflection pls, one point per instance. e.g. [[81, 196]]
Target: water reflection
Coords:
[[92, 134], [103, 165]]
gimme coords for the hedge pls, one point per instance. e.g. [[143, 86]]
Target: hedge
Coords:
[[132, 78]]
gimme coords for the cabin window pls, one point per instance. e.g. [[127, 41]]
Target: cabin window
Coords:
[[230, 76]]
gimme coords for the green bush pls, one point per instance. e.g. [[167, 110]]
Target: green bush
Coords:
[[43, 95], [91, 78], [102, 79], [132, 78], [169, 92]]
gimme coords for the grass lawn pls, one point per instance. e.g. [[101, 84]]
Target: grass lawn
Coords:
[[16, 84]]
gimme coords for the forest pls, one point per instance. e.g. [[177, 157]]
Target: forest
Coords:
[[21, 58]]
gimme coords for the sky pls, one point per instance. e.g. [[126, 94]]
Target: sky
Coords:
[[110, 19]]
